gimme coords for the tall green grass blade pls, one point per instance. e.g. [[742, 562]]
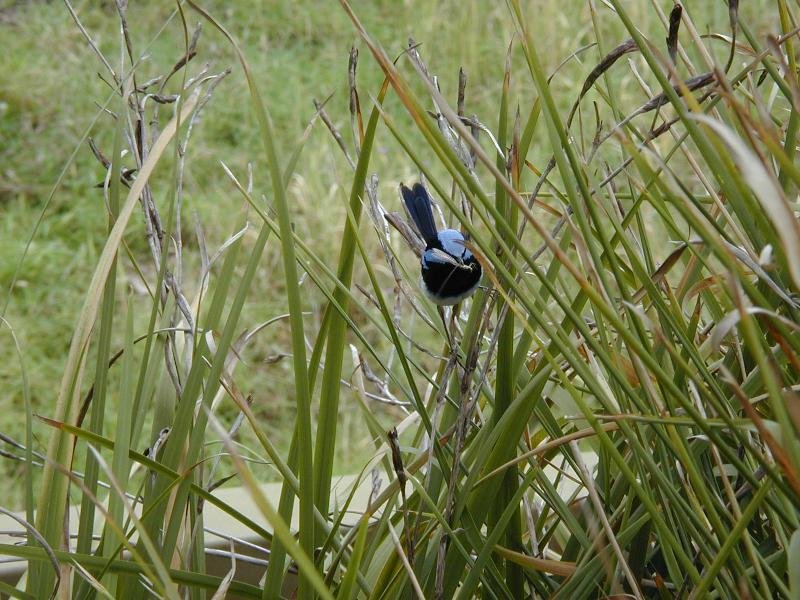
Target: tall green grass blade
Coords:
[[347, 589], [303, 397], [121, 463], [96, 418], [504, 379], [328, 415]]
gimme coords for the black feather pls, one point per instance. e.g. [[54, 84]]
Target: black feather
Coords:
[[418, 204]]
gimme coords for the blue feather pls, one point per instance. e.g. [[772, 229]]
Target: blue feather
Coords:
[[418, 204]]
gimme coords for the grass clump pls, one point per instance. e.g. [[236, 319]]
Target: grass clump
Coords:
[[613, 412]]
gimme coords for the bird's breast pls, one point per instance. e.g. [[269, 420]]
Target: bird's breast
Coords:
[[448, 283]]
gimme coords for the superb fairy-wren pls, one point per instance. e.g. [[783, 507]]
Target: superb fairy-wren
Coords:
[[450, 272]]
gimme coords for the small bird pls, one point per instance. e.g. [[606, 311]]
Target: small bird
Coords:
[[450, 273]]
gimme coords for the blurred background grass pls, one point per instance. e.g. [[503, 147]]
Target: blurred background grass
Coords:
[[49, 94]]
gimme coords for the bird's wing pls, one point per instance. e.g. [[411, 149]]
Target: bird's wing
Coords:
[[437, 255]]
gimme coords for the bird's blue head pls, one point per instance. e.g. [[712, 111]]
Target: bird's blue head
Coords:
[[452, 242]]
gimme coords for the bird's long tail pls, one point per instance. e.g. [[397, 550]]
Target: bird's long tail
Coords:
[[418, 204]]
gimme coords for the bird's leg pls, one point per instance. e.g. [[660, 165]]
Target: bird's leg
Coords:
[[454, 311], [444, 325], [450, 330], [455, 334]]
